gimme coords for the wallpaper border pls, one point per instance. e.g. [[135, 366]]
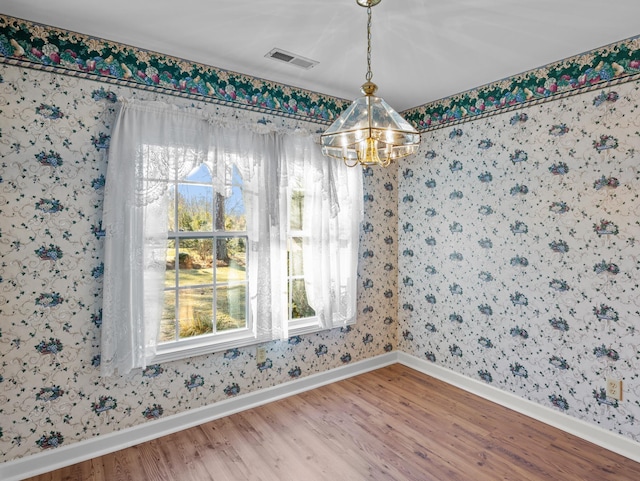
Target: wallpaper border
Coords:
[[33, 45], [605, 66]]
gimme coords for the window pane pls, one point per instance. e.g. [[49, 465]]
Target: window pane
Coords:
[[297, 209], [201, 252], [168, 321], [295, 256], [230, 214], [195, 311], [200, 174], [299, 305], [170, 273], [195, 208], [171, 210], [231, 259], [195, 262], [230, 304]]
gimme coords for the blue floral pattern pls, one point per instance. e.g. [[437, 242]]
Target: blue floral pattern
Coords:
[[548, 191], [542, 266], [52, 170]]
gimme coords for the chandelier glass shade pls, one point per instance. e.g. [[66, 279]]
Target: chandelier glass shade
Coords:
[[369, 131]]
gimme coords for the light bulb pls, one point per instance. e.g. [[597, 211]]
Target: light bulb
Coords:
[[389, 136], [368, 152]]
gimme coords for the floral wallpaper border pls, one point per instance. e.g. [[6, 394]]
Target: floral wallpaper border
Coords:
[[615, 62], [38, 46]]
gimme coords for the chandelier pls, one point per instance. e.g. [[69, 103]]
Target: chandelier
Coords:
[[369, 132]]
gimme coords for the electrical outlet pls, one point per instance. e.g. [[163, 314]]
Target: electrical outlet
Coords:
[[261, 355], [614, 389]]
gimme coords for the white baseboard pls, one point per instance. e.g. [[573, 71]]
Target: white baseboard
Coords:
[[582, 429], [53, 459], [57, 458]]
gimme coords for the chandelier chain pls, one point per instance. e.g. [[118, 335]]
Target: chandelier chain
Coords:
[[369, 131], [369, 74]]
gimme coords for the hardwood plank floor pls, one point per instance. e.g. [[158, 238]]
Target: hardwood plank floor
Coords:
[[390, 424]]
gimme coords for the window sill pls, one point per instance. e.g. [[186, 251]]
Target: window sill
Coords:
[[204, 345]]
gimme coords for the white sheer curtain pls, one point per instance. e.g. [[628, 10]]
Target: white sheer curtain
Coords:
[[150, 143], [333, 211], [259, 161]]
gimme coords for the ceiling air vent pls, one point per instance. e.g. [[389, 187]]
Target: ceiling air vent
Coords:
[[291, 58]]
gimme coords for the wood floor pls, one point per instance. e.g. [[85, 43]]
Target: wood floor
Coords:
[[390, 424]]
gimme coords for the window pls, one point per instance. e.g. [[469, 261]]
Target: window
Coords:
[[206, 281], [205, 292], [219, 237]]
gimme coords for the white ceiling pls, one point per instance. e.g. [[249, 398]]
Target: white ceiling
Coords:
[[422, 50]]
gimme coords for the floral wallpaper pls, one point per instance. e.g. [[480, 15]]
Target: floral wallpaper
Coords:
[[506, 250], [54, 136], [519, 253]]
